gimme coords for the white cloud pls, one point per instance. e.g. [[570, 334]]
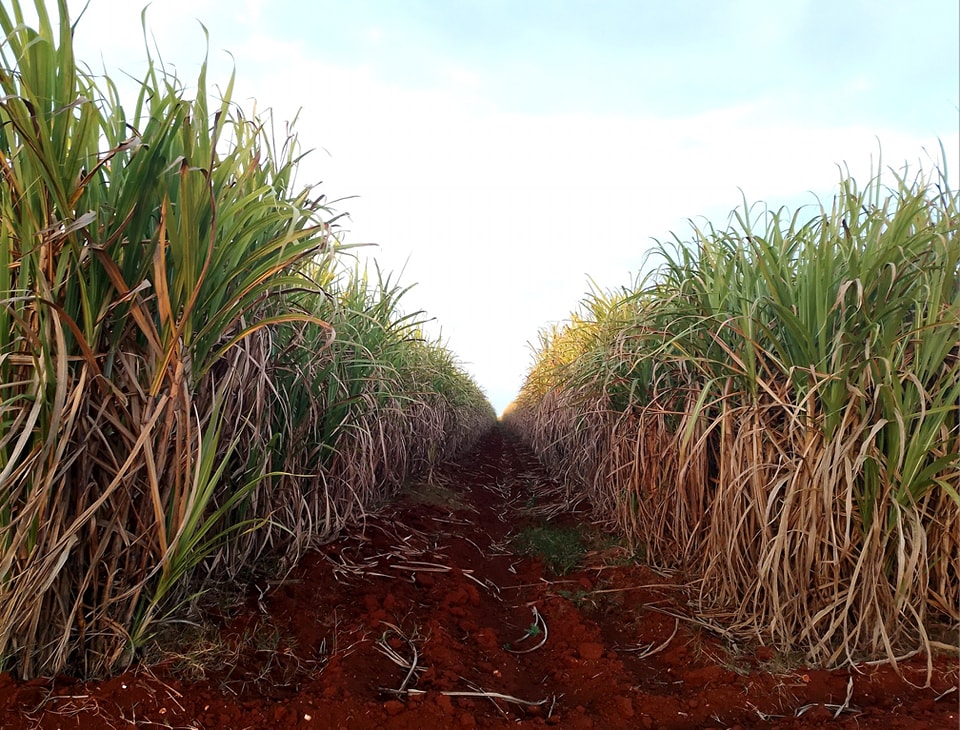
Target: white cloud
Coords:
[[502, 216]]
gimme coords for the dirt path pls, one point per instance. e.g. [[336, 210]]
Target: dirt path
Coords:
[[433, 616]]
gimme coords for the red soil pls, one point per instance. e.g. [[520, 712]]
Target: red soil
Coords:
[[434, 576]]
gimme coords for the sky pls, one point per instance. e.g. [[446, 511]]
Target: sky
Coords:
[[502, 154]]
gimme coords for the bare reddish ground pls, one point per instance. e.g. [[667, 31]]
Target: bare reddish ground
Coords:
[[416, 620]]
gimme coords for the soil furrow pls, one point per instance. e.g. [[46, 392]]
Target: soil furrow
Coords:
[[478, 598]]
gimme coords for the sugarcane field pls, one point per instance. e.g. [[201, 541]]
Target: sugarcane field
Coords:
[[246, 481]]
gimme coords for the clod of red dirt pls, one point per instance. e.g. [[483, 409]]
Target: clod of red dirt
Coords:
[[427, 617]]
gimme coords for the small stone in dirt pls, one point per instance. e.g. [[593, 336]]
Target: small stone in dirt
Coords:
[[625, 705], [424, 580], [590, 651], [394, 707]]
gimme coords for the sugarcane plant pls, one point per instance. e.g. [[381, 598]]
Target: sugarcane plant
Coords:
[[775, 411], [161, 271]]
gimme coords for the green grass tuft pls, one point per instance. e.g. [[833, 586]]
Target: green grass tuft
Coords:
[[560, 548]]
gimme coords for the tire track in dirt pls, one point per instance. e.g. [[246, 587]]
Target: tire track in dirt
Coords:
[[429, 615]]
